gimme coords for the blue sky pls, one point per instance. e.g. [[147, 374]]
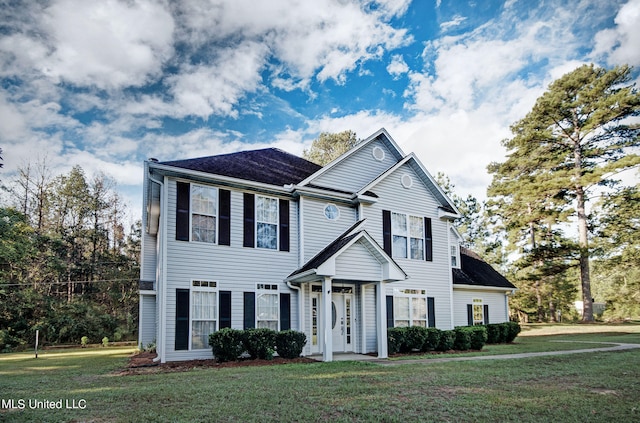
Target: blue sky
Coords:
[[107, 84]]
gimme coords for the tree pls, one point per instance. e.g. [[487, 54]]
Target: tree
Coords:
[[575, 139], [329, 146]]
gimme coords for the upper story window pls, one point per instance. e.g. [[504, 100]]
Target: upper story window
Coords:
[[267, 222], [454, 257], [204, 213], [408, 236]]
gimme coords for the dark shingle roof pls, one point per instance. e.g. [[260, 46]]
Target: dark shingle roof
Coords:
[[270, 166], [475, 271]]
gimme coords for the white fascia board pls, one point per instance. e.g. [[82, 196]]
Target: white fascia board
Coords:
[[147, 292], [382, 176], [179, 172], [320, 193], [484, 288], [435, 184], [455, 232], [348, 153]]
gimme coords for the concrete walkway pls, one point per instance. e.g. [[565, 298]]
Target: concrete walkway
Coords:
[[368, 358]]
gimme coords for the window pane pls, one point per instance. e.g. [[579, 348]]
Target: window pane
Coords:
[[417, 248], [399, 224], [203, 228], [267, 236], [204, 305], [416, 226], [200, 334], [419, 309], [400, 246], [401, 308], [273, 325], [267, 306], [204, 199], [266, 210], [401, 323], [477, 313]]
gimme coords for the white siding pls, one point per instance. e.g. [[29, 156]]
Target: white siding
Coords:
[[147, 321], [370, 319], [357, 170], [433, 276], [357, 263], [149, 257], [495, 300], [320, 231], [235, 268]]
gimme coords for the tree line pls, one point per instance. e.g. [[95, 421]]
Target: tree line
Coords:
[[68, 267]]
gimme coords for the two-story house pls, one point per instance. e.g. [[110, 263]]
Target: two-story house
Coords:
[[264, 238]]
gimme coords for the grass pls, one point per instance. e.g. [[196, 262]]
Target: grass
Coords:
[[598, 387]]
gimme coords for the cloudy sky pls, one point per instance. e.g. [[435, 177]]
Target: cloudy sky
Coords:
[[106, 84]]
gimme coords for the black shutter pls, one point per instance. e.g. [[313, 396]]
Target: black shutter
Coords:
[[249, 220], [284, 225], [285, 311], [224, 216], [486, 314], [470, 314], [386, 231], [182, 211], [431, 312], [182, 319], [249, 310], [428, 240], [389, 311], [225, 309]]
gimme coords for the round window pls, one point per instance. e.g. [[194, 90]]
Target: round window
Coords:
[[407, 180], [378, 154], [331, 211]]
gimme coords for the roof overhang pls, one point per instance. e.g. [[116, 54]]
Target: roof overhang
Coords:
[[507, 291]]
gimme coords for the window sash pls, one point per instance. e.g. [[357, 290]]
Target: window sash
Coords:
[[204, 316], [410, 310], [267, 218], [267, 310], [204, 213], [407, 236], [478, 312]]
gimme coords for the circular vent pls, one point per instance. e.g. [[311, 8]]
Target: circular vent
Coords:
[[378, 154], [407, 180]]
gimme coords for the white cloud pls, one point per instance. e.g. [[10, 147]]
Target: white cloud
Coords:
[[621, 44], [456, 21], [398, 66]]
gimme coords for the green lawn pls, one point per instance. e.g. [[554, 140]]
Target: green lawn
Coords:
[[598, 387]]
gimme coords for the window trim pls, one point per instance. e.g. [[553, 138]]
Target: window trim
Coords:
[[263, 288], [410, 294], [408, 236], [192, 212], [211, 287], [276, 224]]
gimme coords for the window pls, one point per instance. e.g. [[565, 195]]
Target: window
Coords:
[[267, 222], [331, 212], [204, 211], [408, 236], [454, 256], [204, 313], [267, 306], [478, 313], [410, 307]]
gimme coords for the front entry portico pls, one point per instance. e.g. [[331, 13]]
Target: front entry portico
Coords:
[[342, 292]]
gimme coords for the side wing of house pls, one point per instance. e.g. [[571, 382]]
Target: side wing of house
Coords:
[[480, 293]]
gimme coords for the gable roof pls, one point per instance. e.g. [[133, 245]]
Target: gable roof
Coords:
[[269, 165], [347, 238], [476, 272]]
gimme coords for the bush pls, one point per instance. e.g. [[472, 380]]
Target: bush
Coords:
[[496, 333], [84, 341], [227, 344], [513, 329], [463, 338], [432, 339], [105, 342], [447, 340], [289, 343], [395, 339], [478, 337], [259, 343], [414, 338]]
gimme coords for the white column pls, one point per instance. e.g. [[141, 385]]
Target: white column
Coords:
[[381, 320], [363, 323], [327, 344]]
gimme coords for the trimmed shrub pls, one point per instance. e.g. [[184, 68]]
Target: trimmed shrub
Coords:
[[395, 339], [513, 329], [447, 340], [496, 333], [289, 343], [227, 344], [478, 337], [414, 338], [259, 343], [463, 338], [432, 340]]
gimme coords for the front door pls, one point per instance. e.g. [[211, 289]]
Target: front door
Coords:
[[342, 320]]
